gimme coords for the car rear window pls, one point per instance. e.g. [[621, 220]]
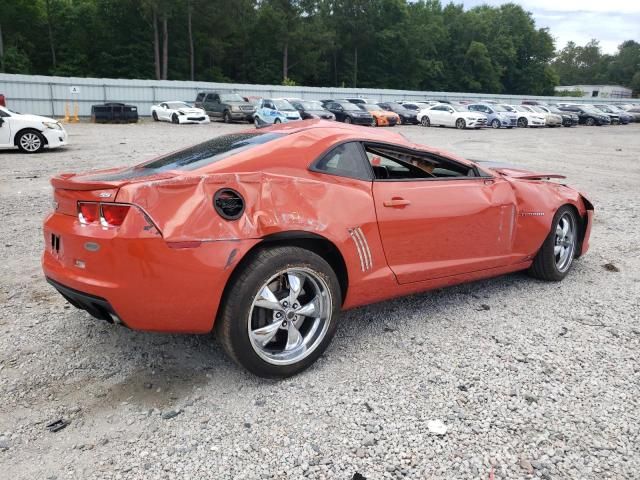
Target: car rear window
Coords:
[[194, 157], [211, 151]]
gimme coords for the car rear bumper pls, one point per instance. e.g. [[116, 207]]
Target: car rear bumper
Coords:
[[142, 282]]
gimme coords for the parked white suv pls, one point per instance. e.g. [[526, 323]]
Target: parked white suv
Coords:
[[30, 133]]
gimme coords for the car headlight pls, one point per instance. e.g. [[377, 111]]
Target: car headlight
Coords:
[[235, 108], [52, 125]]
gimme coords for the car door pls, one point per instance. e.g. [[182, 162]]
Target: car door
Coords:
[[212, 104], [5, 129], [436, 115], [436, 226], [164, 112], [337, 110]]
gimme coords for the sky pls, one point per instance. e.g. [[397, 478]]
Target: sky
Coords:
[[609, 21]]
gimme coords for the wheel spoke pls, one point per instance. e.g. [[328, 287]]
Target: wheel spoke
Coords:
[[295, 286], [311, 309], [294, 339], [557, 249], [267, 299], [559, 232], [565, 227], [265, 334]]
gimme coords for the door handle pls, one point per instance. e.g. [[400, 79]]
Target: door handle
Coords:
[[396, 202]]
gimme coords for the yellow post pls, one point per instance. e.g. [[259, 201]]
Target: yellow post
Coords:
[[66, 112], [76, 111]]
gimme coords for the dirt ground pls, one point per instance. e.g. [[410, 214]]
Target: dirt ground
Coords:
[[531, 379]]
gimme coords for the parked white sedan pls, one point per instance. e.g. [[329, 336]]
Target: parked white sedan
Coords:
[[30, 133], [447, 115], [178, 112], [527, 118]]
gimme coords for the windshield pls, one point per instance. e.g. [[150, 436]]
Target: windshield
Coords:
[[231, 97], [370, 107], [309, 105], [350, 106], [177, 105], [604, 108], [590, 109], [499, 108], [283, 105], [459, 108], [555, 110], [538, 109]]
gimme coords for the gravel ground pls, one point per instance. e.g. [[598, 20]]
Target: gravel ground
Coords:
[[530, 379]]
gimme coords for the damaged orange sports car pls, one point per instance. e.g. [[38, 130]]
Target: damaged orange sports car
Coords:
[[381, 117], [266, 235]]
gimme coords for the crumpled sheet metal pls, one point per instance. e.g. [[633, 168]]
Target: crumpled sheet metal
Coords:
[[183, 210]]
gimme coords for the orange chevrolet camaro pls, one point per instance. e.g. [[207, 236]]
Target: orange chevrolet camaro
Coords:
[[266, 235], [381, 117]]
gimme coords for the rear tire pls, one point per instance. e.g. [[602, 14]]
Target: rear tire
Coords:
[[554, 259], [155, 116], [590, 122], [226, 117], [495, 123], [174, 119], [347, 119], [276, 121], [258, 325]]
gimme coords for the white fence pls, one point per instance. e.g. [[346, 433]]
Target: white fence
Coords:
[[48, 95]]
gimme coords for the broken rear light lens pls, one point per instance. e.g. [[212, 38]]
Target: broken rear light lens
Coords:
[[88, 212], [114, 215]]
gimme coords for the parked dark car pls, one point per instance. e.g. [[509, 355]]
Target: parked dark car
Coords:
[[406, 116], [311, 109], [348, 112], [228, 107], [114, 113], [623, 117], [569, 119], [587, 115]]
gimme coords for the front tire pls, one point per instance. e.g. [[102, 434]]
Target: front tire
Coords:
[[155, 116], [276, 121], [461, 124], [495, 123], [590, 122], [425, 122], [554, 259], [347, 119], [280, 312], [523, 122], [226, 117], [30, 141], [175, 119]]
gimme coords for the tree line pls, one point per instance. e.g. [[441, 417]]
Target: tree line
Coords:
[[418, 45]]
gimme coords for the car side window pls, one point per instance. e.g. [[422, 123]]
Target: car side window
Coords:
[[393, 164], [209, 97], [345, 160], [200, 97], [216, 98]]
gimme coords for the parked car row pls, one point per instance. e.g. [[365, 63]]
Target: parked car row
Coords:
[[231, 107]]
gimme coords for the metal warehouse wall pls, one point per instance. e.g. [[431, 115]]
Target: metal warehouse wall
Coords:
[[48, 95]]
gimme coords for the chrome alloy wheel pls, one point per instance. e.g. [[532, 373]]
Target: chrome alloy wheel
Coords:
[[290, 316], [30, 142], [565, 242]]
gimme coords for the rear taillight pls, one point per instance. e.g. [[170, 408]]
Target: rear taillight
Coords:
[[114, 215], [107, 214], [88, 212]]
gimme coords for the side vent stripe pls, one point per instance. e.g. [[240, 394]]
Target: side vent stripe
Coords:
[[363, 248]]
